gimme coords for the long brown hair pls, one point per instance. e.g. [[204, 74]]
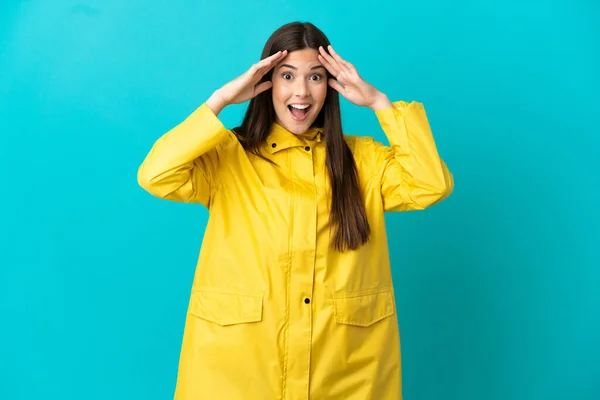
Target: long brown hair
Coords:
[[347, 212]]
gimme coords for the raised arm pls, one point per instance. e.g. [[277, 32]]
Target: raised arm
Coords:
[[411, 172], [413, 176], [183, 164]]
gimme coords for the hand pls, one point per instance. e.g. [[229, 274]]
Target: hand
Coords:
[[244, 87], [349, 83]]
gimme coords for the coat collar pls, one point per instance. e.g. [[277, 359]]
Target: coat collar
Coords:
[[280, 138]]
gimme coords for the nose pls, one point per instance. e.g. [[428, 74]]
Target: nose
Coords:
[[301, 88]]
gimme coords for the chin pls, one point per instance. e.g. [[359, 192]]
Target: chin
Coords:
[[296, 127]]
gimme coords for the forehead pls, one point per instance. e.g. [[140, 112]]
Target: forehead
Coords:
[[301, 58]]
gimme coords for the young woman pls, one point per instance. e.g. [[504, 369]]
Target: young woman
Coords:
[[293, 296]]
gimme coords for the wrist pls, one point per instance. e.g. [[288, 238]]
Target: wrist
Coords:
[[381, 102], [216, 102]]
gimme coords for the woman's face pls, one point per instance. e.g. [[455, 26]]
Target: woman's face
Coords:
[[299, 90]]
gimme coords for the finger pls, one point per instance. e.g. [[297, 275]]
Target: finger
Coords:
[[351, 68], [327, 64], [266, 61], [263, 87], [331, 61], [336, 85], [274, 57], [263, 71], [343, 63], [266, 64]]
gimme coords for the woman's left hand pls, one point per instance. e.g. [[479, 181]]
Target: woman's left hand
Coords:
[[349, 83]]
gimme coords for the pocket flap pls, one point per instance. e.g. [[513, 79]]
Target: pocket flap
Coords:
[[363, 309], [226, 308]]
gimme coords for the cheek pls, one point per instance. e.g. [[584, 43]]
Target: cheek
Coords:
[[320, 93], [279, 94]]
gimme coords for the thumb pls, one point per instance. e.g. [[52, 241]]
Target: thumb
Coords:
[[262, 87]]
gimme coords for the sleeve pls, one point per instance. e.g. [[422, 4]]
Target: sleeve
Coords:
[[412, 174], [182, 164]]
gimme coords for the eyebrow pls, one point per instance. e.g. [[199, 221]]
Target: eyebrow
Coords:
[[292, 67]]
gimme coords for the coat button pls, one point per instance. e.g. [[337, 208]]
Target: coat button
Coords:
[[307, 148], [274, 145], [307, 300]]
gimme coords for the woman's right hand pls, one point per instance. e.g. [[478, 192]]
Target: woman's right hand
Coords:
[[244, 87]]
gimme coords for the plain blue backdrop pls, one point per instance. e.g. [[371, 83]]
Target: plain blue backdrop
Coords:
[[498, 287]]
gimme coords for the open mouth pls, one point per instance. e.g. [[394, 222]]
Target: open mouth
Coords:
[[299, 111]]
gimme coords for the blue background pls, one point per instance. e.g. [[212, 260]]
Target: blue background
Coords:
[[498, 287]]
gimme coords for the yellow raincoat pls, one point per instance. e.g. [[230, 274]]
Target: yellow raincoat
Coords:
[[275, 312]]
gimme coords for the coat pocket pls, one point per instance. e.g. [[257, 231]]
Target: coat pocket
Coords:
[[226, 308], [363, 309]]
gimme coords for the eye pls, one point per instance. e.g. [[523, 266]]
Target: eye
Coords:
[[316, 77], [286, 75]]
